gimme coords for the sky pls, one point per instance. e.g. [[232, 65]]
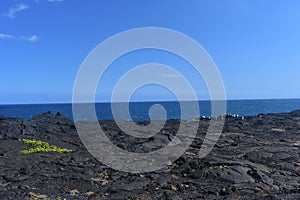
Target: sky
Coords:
[[255, 45]]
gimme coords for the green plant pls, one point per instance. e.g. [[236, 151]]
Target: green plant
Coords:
[[104, 175], [194, 120], [103, 178], [37, 196], [262, 168], [219, 167], [142, 175], [40, 146]]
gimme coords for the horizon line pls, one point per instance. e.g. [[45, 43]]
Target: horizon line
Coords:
[[148, 101]]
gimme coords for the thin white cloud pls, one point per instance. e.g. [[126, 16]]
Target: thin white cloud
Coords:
[[170, 75], [33, 38], [14, 10], [53, 1], [6, 36]]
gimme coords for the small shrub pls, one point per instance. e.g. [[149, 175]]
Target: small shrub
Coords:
[[40, 146], [219, 167]]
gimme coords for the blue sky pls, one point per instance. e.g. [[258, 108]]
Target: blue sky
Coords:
[[255, 44]]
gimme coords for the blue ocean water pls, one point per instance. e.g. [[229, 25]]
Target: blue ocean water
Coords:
[[140, 110]]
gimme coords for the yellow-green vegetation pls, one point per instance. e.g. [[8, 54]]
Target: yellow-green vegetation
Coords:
[[37, 196], [262, 168], [34, 196], [174, 188], [219, 167], [142, 175], [40, 146], [194, 120], [103, 179]]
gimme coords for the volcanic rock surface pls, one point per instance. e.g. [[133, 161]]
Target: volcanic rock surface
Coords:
[[255, 157]]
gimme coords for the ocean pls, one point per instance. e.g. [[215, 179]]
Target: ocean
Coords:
[[139, 110]]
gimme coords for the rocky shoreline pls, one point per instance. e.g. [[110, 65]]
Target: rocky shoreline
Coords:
[[256, 157]]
